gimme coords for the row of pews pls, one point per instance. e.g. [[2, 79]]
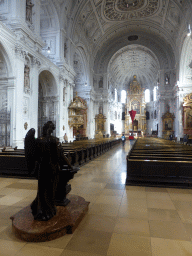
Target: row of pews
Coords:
[[159, 162], [12, 161], [80, 152]]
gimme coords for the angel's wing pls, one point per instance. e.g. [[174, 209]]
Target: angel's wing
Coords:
[[30, 150]]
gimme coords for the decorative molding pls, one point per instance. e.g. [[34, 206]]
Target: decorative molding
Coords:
[[187, 100], [25, 125], [35, 61], [20, 52], [118, 10]]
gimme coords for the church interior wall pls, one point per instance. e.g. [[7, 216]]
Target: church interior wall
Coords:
[[25, 39]]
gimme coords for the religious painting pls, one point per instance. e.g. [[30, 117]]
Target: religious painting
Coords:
[[189, 119], [135, 105], [168, 120], [187, 113], [168, 125]]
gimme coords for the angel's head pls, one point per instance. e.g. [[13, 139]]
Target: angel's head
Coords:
[[48, 128]]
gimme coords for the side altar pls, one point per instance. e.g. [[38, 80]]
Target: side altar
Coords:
[[100, 120], [136, 102], [168, 124], [187, 114]]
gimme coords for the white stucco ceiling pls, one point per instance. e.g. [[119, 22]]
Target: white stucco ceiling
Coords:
[[134, 60], [106, 25]]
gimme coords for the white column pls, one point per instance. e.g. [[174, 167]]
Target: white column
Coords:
[[33, 110], [57, 116], [18, 136], [11, 106]]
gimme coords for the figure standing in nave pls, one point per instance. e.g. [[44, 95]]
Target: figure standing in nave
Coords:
[[65, 138]]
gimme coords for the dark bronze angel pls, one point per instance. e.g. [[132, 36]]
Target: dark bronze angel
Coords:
[[45, 156]]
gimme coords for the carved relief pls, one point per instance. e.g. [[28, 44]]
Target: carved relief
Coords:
[[19, 51], [187, 100], [26, 107], [25, 125], [51, 43], [126, 5], [26, 79], [123, 10], [29, 6], [174, 15], [91, 26], [86, 12]]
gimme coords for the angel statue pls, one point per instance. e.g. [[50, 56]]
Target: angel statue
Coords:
[[45, 157]]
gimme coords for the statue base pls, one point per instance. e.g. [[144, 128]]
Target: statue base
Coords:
[[64, 222]]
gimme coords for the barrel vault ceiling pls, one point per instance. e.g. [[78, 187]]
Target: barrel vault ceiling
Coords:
[[131, 37]]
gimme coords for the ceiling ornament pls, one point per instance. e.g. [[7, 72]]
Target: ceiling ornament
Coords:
[[118, 10], [129, 5]]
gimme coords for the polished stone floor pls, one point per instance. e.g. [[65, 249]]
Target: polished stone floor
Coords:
[[122, 220]]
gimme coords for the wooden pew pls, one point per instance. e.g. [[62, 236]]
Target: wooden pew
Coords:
[[157, 162], [13, 163]]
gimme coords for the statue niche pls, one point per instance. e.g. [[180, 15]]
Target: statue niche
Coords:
[[45, 157], [27, 79], [29, 6]]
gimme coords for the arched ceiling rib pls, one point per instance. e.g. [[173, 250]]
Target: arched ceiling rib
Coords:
[[134, 60], [155, 44]]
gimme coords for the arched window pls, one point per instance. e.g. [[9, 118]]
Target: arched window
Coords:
[[147, 95], [115, 94], [123, 96], [155, 93]]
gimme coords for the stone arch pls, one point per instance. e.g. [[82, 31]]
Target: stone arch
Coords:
[[80, 67], [5, 54], [47, 99], [6, 99], [158, 45], [49, 27], [134, 60], [185, 72]]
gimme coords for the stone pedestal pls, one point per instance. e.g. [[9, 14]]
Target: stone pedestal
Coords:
[[64, 222]]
